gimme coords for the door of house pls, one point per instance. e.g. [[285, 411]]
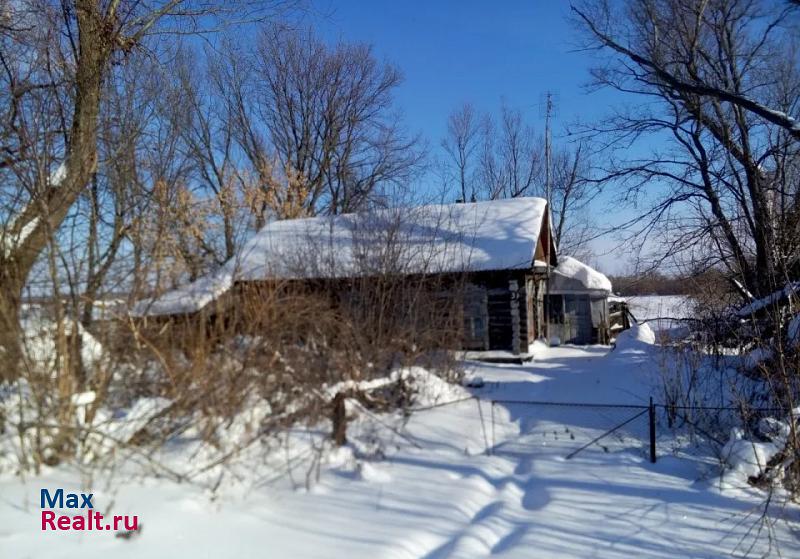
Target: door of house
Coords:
[[578, 319], [500, 330]]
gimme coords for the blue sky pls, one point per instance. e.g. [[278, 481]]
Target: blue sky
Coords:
[[479, 52], [475, 51]]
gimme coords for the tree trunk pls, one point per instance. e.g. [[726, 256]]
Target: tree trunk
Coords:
[[10, 344], [44, 214]]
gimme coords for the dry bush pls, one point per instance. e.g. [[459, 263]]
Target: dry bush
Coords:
[[742, 372], [284, 349], [292, 346], [61, 380], [262, 357]]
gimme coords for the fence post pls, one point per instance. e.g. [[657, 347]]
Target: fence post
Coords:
[[652, 415], [494, 440]]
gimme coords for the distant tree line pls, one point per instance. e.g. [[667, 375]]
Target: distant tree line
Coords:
[[655, 283]]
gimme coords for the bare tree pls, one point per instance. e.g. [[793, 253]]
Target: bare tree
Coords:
[[461, 145], [684, 75], [325, 113], [59, 55], [511, 160], [572, 191], [726, 197], [508, 161], [209, 143]]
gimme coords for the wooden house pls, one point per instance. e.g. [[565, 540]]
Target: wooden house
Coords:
[[499, 254]]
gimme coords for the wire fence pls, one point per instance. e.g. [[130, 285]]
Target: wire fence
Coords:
[[624, 427], [591, 424]]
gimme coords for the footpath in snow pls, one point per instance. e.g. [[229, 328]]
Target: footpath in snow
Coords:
[[435, 491]]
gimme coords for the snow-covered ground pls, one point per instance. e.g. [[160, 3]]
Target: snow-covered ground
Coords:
[[464, 480]]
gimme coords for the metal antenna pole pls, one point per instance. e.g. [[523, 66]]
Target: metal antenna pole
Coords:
[[547, 146], [548, 111]]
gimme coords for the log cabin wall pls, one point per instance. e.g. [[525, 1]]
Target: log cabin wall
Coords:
[[511, 307], [500, 308]]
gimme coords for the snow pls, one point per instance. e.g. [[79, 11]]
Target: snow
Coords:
[[745, 458], [662, 312], [791, 288], [58, 176], [429, 388], [740, 286], [26, 231], [39, 342], [131, 421], [189, 298], [635, 338], [774, 430], [469, 479], [650, 307], [84, 398], [754, 358], [590, 278], [10, 243], [493, 235], [793, 331]]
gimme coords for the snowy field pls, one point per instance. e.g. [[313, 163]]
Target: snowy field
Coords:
[[660, 311], [453, 481], [650, 307]]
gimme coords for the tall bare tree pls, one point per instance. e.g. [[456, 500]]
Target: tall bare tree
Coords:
[[327, 113], [511, 158], [461, 145], [55, 58], [723, 190], [571, 193]]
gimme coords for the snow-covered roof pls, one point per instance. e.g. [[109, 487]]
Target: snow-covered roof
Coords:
[[480, 236], [573, 276]]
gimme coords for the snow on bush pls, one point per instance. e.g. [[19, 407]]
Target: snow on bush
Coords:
[[39, 336], [754, 358], [793, 332], [745, 458], [774, 430], [541, 346], [372, 472], [126, 423], [427, 387]]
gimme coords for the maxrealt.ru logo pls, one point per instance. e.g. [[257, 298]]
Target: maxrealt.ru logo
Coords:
[[86, 519]]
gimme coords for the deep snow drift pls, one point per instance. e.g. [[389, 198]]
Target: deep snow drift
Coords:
[[464, 480]]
